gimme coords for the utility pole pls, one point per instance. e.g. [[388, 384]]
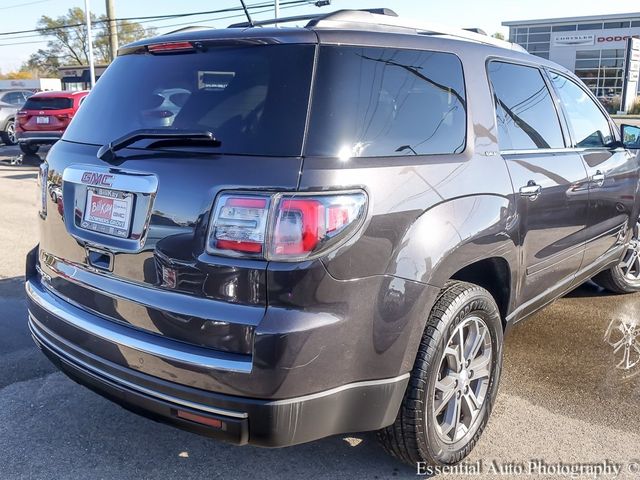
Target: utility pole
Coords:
[[112, 28], [92, 70]]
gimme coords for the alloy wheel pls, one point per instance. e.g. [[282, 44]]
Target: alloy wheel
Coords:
[[463, 380], [11, 133], [630, 264]]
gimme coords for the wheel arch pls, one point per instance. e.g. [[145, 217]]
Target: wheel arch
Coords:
[[494, 275], [6, 121]]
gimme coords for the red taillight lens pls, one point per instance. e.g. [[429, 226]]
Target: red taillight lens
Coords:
[[308, 225], [298, 226], [168, 47], [239, 224]]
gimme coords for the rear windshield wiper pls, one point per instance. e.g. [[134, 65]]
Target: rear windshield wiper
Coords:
[[163, 137]]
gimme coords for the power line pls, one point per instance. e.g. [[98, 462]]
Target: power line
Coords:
[[18, 5], [260, 8], [144, 19]]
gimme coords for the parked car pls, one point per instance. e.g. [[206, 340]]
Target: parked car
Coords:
[[44, 118], [10, 102], [333, 233]]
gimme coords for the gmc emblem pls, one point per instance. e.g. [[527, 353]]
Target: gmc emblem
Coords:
[[99, 179]]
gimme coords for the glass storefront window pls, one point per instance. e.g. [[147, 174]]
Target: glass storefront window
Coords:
[[539, 37], [563, 28], [616, 25], [539, 29], [590, 26]]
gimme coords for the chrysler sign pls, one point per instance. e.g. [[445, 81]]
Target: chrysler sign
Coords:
[[574, 39]]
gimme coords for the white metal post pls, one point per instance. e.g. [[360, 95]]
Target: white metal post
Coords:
[[92, 71], [276, 8]]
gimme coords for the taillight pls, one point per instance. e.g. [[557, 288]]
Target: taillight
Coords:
[[21, 117], [239, 224], [170, 47], [284, 227]]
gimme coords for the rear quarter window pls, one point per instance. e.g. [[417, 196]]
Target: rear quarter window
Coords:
[[525, 113], [371, 102]]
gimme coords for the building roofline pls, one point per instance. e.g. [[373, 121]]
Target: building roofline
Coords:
[[553, 21]]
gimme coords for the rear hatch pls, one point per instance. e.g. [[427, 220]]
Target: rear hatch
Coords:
[[46, 113], [126, 238]]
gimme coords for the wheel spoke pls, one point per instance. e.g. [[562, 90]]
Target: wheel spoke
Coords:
[[473, 404], [477, 342], [461, 357], [452, 418], [447, 388], [481, 366], [453, 359]]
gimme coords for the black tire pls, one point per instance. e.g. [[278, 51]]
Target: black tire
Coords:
[[29, 149], [8, 135], [412, 438], [624, 277], [614, 281]]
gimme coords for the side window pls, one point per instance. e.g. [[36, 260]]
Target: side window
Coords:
[[589, 125], [371, 102], [526, 116], [13, 98]]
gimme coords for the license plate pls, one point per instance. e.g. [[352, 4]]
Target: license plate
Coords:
[[108, 211], [41, 120]]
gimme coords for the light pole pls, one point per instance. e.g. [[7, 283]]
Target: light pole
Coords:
[[92, 71], [113, 28]]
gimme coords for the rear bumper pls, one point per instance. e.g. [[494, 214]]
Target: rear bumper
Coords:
[[39, 137], [357, 406]]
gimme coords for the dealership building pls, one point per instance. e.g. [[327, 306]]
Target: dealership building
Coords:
[[593, 47]]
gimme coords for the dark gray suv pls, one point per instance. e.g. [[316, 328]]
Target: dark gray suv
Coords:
[[331, 233]]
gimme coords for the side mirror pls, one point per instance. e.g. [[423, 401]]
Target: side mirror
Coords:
[[630, 136]]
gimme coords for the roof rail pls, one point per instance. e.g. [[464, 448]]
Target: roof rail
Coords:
[[384, 19], [357, 18], [273, 21], [297, 18]]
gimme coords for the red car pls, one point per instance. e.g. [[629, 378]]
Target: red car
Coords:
[[44, 118]]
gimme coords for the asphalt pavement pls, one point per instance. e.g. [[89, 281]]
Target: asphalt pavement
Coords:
[[562, 397]]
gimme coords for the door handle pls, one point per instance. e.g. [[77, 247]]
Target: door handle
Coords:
[[531, 190], [598, 178]]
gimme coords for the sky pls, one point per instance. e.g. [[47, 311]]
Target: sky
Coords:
[[487, 14]]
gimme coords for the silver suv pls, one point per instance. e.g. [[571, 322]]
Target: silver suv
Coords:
[[10, 103]]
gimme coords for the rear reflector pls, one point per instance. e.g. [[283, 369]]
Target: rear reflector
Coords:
[[211, 422], [170, 47]]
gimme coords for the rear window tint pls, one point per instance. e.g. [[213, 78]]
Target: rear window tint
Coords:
[[252, 98], [372, 102], [48, 103]]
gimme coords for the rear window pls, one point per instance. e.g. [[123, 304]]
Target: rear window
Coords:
[[253, 99], [48, 103], [371, 102]]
